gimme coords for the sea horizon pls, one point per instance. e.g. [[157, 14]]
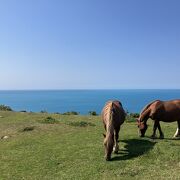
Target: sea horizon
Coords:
[[99, 89], [82, 100]]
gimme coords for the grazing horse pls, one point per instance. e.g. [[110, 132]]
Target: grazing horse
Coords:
[[113, 116], [166, 111]]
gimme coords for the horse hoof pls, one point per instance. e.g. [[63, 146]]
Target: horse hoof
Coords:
[[176, 137], [161, 137]]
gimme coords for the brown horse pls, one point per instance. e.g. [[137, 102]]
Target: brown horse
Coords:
[[166, 111], [113, 116]]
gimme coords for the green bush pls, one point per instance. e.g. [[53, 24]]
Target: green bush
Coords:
[[43, 111], [92, 113], [50, 120], [134, 115], [71, 113], [81, 124], [131, 117], [5, 108], [29, 128]]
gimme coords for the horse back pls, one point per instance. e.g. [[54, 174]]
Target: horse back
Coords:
[[116, 108], [167, 111]]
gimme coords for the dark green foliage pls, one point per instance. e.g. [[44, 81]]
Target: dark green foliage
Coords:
[[23, 111], [5, 108], [30, 128], [71, 113], [93, 113], [81, 124], [132, 117], [50, 120], [43, 111]]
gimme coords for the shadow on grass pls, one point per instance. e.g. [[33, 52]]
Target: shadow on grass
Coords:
[[134, 148], [174, 139]]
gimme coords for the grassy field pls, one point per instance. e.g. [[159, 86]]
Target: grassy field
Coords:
[[51, 146]]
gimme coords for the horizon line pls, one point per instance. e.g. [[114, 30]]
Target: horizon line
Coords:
[[74, 89]]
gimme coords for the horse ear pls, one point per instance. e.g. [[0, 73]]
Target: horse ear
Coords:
[[104, 135]]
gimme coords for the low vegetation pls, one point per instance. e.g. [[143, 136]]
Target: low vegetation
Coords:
[[5, 108], [131, 117], [81, 124], [29, 128], [73, 149], [92, 113], [70, 113], [50, 120]]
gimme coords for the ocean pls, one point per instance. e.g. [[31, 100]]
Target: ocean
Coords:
[[81, 101]]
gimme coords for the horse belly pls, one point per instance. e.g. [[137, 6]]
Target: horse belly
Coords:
[[169, 116], [119, 118]]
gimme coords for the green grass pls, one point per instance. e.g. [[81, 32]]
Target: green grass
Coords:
[[73, 149]]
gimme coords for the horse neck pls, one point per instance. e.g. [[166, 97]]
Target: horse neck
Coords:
[[144, 116]]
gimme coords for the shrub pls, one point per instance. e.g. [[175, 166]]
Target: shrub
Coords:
[[93, 113], [71, 113], [30, 128], [81, 124], [50, 120], [43, 111], [5, 108], [23, 111], [132, 117]]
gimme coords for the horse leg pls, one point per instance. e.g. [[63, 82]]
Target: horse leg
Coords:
[[116, 136], [177, 134], [160, 131], [154, 128]]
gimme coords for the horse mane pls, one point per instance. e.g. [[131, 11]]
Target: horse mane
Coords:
[[147, 106], [144, 115]]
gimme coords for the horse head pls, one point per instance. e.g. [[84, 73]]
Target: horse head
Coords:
[[108, 146], [142, 127]]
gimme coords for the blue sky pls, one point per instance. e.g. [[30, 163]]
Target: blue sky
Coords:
[[89, 44]]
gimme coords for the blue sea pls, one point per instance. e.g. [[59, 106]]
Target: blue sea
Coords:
[[81, 101]]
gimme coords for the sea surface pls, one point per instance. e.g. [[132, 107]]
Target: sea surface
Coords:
[[81, 101]]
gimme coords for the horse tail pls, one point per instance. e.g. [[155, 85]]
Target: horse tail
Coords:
[[147, 106], [111, 112]]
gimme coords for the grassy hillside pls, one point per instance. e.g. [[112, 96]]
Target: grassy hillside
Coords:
[[51, 146]]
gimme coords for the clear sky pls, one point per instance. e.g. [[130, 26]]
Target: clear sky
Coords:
[[89, 44]]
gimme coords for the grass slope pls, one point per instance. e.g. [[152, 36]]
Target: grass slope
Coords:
[[70, 147]]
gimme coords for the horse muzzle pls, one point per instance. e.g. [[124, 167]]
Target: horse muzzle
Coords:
[[107, 158]]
